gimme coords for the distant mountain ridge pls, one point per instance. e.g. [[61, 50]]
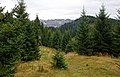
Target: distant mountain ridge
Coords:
[[72, 26], [56, 22]]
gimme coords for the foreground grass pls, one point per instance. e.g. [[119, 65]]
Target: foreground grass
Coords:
[[78, 66]]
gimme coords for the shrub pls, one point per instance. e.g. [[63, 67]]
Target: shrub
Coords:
[[59, 61]]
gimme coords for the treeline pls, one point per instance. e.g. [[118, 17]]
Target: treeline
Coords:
[[20, 37], [87, 35]]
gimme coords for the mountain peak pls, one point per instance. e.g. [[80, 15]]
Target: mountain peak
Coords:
[[55, 22]]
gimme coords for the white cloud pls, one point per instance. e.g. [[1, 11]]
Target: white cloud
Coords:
[[8, 4], [63, 9]]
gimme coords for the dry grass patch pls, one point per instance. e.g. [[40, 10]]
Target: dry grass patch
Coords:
[[33, 69], [78, 66]]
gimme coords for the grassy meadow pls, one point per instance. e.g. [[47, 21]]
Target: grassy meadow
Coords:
[[78, 66]]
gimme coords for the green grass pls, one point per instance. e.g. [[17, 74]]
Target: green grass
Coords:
[[78, 66]]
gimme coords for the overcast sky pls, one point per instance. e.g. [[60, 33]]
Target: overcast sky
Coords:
[[64, 9]]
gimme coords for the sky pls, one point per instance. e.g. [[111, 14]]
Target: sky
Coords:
[[64, 9]]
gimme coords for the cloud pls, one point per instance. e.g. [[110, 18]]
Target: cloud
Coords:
[[8, 4], [63, 9]]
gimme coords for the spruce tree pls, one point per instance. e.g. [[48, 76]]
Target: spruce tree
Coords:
[[71, 45], [116, 38], [2, 15], [56, 39], [59, 61], [49, 36], [65, 39], [82, 34], [20, 11], [39, 28], [30, 33], [118, 14], [102, 35], [45, 36], [9, 44]]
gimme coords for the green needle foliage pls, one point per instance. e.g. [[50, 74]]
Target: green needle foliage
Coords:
[[19, 39], [102, 35], [65, 39], [30, 31], [116, 38], [9, 44], [59, 61], [82, 34], [56, 40]]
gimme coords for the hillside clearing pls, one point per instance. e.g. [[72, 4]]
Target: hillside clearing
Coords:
[[78, 66]]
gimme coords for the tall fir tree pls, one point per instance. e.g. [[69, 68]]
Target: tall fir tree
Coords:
[[45, 36], [65, 39], [9, 44], [82, 34], [39, 29], [20, 11], [2, 15], [116, 38], [49, 36], [118, 14], [56, 40], [29, 31], [102, 34]]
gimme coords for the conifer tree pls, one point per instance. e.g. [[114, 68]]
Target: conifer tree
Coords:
[[102, 35], [116, 38], [20, 11], [49, 36], [59, 61], [65, 39], [45, 36], [118, 14], [9, 44], [39, 28], [30, 33], [56, 39], [71, 45], [2, 15], [82, 34]]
